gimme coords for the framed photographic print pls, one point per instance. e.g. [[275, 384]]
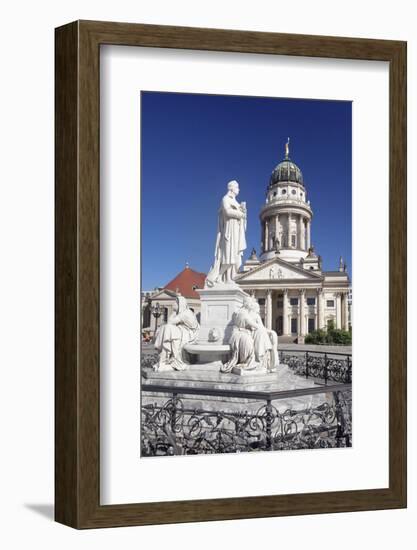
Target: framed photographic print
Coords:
[[230, 274]]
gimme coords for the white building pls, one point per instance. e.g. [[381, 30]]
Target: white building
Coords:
[[295, 295]]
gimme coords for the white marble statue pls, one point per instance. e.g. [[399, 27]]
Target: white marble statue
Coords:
[[252, 345], [231, 240], [181, 329]]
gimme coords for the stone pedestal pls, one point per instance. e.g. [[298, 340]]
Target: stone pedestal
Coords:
[[208, 377], [218, 304]]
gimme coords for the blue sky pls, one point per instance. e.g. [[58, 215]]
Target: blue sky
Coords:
[[193, 144]]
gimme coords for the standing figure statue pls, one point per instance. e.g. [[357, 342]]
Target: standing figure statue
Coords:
[[230, 240], [181, 329], [252, 345], [276, 245]]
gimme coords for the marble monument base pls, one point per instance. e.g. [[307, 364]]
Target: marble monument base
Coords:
[[218, 304], [209, 377]]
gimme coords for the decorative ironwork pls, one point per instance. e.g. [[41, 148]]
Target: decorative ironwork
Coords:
[[330, 367], [171, 428]]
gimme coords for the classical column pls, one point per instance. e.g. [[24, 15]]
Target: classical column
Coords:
[[308, 235], [277, 227], [263, 237], [268, 309], [288, 230], [345, 311], [305, 233], [320, 308], [302, 328], [285, 328], [266, 245], [301, 242], [338, 310], [299, 230]]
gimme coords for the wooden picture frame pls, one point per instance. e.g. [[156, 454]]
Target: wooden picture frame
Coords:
[[77, 405]]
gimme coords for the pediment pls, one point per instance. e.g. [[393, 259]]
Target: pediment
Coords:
[[164, 294], [277, 270]]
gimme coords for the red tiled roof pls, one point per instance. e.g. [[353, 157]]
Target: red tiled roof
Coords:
[[184, 282]]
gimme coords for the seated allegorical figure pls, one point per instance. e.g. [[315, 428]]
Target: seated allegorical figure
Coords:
[[252, 345], [181, 329]]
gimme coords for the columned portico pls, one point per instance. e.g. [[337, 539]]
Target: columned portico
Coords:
[[301, 307]]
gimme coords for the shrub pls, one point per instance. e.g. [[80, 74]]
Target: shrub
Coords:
[[329, 336], [330, 325], [316, 337]]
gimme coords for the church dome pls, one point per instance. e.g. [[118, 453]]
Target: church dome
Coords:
[[286, 170]]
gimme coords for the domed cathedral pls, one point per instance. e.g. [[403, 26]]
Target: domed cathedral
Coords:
[[286, 216], [295, 295]]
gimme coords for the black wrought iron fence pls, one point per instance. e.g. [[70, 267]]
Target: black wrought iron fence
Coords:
[[329, 367], [171, 427]]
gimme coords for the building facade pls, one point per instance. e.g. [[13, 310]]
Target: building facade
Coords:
[[296, 296]]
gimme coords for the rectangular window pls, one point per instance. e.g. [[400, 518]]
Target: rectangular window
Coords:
[[280, 303], [311, 301], [261, 301], [311, 324], [293, 240], [293, 301], [330, 303], [294, 328]]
